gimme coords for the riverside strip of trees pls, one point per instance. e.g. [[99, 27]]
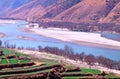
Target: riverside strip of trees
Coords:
[[69, 53], [110, 27]]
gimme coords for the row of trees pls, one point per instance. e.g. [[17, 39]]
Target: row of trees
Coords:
[[86, 27], [69, 53], [90, 59]]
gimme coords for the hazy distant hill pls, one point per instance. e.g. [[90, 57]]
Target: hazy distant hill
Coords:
[[8, 5], [77, 11], [33, 9], [42, 8]]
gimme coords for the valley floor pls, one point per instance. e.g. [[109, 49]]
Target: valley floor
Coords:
[[83, 38]]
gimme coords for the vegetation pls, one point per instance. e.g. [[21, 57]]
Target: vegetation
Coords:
[[13, 61], [83, 27], [89, 59], [24, 61], [20, 64], [93, 71], [9, 56], [4, 61]]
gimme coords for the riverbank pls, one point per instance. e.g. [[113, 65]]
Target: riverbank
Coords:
[[2, 35], [8, 21], [25, 38], [82, 38], [44, 55]]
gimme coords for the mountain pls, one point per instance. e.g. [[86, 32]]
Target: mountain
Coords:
[[113, 16], [76, 11], [59, 7], [42, 8], [8, 5], [33, 9], [87, 11], [27, 10]]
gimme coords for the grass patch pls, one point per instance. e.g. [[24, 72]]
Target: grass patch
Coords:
[[69, 66], [13, 61], [4, 61], [18, 54], [8, 51], [93, 71], [24, 61], [112, 76], [48, 62]]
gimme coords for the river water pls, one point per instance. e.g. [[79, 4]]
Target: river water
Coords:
[[13, 32]]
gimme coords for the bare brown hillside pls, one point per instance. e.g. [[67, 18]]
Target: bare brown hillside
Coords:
[[113, 16], [88, 11]]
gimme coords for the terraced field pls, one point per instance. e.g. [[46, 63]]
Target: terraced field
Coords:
[[14, 65]]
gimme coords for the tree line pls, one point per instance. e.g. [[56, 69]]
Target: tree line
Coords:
[[89, 59], [84, 27]]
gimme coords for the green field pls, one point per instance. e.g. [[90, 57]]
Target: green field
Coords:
[[93, 71], [13, 61], [24, 61], [4, 61]]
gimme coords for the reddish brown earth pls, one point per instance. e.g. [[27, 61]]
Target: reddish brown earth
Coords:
[[114, 15]]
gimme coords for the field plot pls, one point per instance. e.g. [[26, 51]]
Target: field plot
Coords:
[[15, 65]]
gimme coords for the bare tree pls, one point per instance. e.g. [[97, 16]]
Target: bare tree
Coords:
[[0, 43], [90, 59]]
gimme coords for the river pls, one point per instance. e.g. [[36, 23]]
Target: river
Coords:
[[14, 32]]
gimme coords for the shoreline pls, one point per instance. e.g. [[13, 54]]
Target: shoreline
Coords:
[[97, 45], [9, 21], [2, 35], [25, 37], [92, 39]]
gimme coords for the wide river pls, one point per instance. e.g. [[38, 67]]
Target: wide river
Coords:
[[14, 34]]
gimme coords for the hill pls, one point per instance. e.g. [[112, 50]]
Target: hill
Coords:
[[114, 15], [8, 5], [76, 11], [33, 9], [88, 11]]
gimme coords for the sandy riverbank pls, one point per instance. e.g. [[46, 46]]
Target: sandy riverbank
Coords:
[[2, 35], [8, 21], [25, 38], [83, 38]]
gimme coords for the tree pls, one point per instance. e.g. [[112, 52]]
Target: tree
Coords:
[[39, 48], [82, 56], [68, 51], [0, 43], [90, 59]]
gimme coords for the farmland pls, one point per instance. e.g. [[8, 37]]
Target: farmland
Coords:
[[14, 65]]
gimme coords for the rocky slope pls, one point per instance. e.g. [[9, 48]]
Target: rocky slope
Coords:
[[113, 16], [87, 11]]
